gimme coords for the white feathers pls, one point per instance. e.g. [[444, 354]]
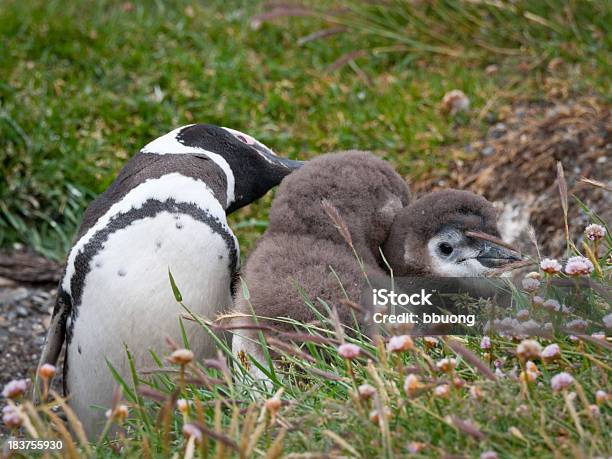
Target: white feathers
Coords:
[[244, 344], [163, 188], [138, 308], [168, 144], [464, 265], [468, 268]]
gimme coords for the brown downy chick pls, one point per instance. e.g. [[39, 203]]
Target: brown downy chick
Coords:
[[428, 237], [303, 249]]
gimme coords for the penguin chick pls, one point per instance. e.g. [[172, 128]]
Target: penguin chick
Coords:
[[165, 211], [428, 237], [304, 253]]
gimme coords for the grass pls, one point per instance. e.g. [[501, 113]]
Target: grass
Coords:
[[313, 407], [84, 85]]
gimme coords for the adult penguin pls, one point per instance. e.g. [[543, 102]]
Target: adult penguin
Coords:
[[166, 211]]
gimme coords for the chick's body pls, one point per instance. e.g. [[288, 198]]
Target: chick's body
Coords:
[[303, 248]]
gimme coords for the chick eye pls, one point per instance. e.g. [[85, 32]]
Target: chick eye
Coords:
[[445, 248]]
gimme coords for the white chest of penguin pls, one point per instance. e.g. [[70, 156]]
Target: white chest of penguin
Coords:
[[127, 285]]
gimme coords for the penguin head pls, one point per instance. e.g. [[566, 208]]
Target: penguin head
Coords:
[[249, 167], [438, 235]]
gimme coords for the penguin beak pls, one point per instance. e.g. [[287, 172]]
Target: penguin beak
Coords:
[[290, 164], [495, 256], [286, 163]]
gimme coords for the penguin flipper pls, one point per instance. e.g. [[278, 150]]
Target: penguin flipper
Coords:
[[56, 336]]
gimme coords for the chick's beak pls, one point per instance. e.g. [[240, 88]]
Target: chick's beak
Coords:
[[496, 256]]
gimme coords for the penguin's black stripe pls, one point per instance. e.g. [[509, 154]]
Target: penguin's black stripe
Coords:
[[145, 166], [120, 221]]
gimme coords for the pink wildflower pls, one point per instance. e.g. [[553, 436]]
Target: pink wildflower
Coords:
[[15, 388], [348, 351], [530, 284], [191, 430], [443, 391], [561, 381], [550, 266], [10, 417], [529, 349], [47, 371], [366, 391], [595, 232], [579, 266], [551, 352], [400, 343]]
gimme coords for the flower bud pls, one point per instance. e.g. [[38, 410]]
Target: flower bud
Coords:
[[182, 405], [561, 381], [476, 392], [348, 351], [529, 349], [273, 405], [400, 343], [601, 396], [442, 391], [551, 352], [15, 388], [47, 371], [366, 391], [181, 357], [446, 365], [191, 430], [11, 417], [412, 385]]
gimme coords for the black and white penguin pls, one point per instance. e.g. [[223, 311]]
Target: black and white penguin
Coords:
[[166, 211], [303, 252]]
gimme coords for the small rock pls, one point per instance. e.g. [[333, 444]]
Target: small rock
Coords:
[[498, 130], [22, 312], [491, 117], [487, 151], [5, 283], [455, 101], [19, 294], [491, 69]]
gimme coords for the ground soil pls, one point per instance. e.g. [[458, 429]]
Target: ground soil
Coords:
[[27, 294], [515, 165]]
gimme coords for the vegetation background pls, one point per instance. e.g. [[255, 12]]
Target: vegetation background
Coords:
[[85, 84]]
